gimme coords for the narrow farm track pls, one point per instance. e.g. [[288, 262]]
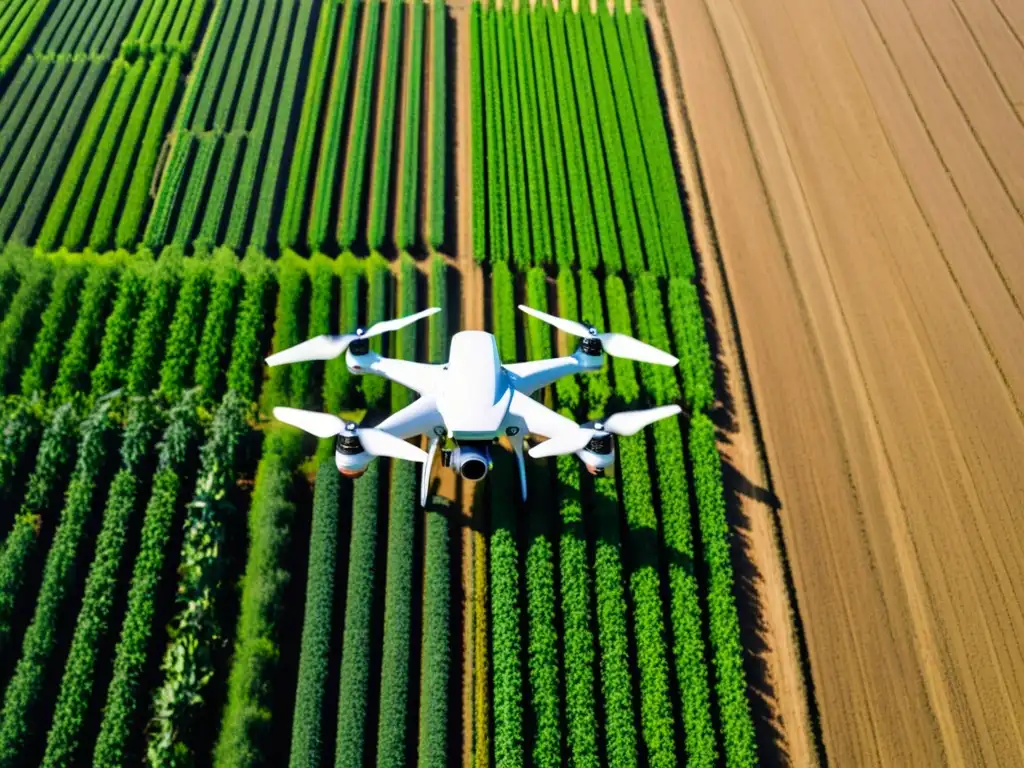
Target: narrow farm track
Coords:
[[891, 417]]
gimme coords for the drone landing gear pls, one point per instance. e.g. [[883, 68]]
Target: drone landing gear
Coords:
[[425, 472], [517, 447]]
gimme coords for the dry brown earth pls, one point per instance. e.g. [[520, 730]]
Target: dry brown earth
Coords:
[[864, 168]]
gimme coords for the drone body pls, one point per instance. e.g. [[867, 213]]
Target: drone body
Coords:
[[472, 400]]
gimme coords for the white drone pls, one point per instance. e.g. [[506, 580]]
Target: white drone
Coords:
[[472, 400]]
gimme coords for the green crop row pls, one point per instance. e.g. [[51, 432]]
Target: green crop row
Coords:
[[20, 322], [381, 175], [691, 343], [85, 197], [633, 34], [635, 167], [536, 186], [195, 631], [405, 224], [26, 691], [568, 388], [503, 298], [574, 580], [151, 331], [327, 163], [339, 385], [612, 626], [23, 420], [494, 131], [272, 170], [379, 280], [439, 126], [539, 333], [624, 370], [136, 200], [288, 384], [204, 90], [247, 344], [659, 380], [116, 347], [195, 196], [585, 28], [213, 344], [656, 719], [183, 334], [568, 116], [132, 652], [67, 191], [511, 110], [84, 343], [64, 739], [170, 188], [405, 339], [438, 339], [568, 25], [358, 636], [477, 125], [302, 159], [507, 675], [109, 207], [436, 658], [245, 730], [321, 303], [43, 492], [542, 636], [359, 134], [398, 592], [549, 136], [18, 29], [231, 65], [724, 629], [209, 229], [318, 621], [61, 307]]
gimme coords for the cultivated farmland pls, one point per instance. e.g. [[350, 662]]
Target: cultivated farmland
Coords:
[[814, 562]]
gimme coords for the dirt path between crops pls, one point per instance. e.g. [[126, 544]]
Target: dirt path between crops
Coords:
[[863, 163]]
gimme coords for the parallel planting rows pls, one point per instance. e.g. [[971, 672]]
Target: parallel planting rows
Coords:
[[558, 101]]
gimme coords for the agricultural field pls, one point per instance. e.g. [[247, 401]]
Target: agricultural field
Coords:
[[809, 565]]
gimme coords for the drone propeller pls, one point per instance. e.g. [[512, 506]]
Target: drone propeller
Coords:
[[329, 347], [615, 344], [375, 442], [623, 424]]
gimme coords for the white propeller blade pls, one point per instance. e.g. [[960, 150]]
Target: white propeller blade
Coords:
[[319, 424], [615, 344], [329, 347], [399, 322], [630, 422], [377, 442], [624, 424], [620, 345], [569, 326], [562, 444], [318, 348]]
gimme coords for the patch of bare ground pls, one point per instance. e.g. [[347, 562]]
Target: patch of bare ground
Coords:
[[861, 163]]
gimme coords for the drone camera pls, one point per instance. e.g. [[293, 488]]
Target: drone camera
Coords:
[[472, 460], [600, 444], [359, 347], [591, 346], [348, 445]]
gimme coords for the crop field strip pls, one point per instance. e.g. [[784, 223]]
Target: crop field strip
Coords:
[[611, 634]]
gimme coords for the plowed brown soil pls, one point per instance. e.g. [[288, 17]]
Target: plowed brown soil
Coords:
[[863, 165]]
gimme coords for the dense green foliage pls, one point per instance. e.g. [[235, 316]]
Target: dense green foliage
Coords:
[[20, 323], [439, 126], [691, 344], [738, 738], [358, 635], [24, 697], [499, 246], [92, 625], [130, 656], [436, 643], [151, 331], [511, 111], [408, 195], [63, 301], [437, 350], [220, 312], [247, 344], [84, 344], [477, 82], [183, 335], [503, 309], [329, 516], [245, 732], [339, 384], [118, 333], [379, 281]]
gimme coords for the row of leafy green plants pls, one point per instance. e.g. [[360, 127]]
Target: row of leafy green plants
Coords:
[[172, 326], [562, 172], [649, 539]]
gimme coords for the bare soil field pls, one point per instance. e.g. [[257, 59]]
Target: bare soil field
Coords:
[[862, 166]]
